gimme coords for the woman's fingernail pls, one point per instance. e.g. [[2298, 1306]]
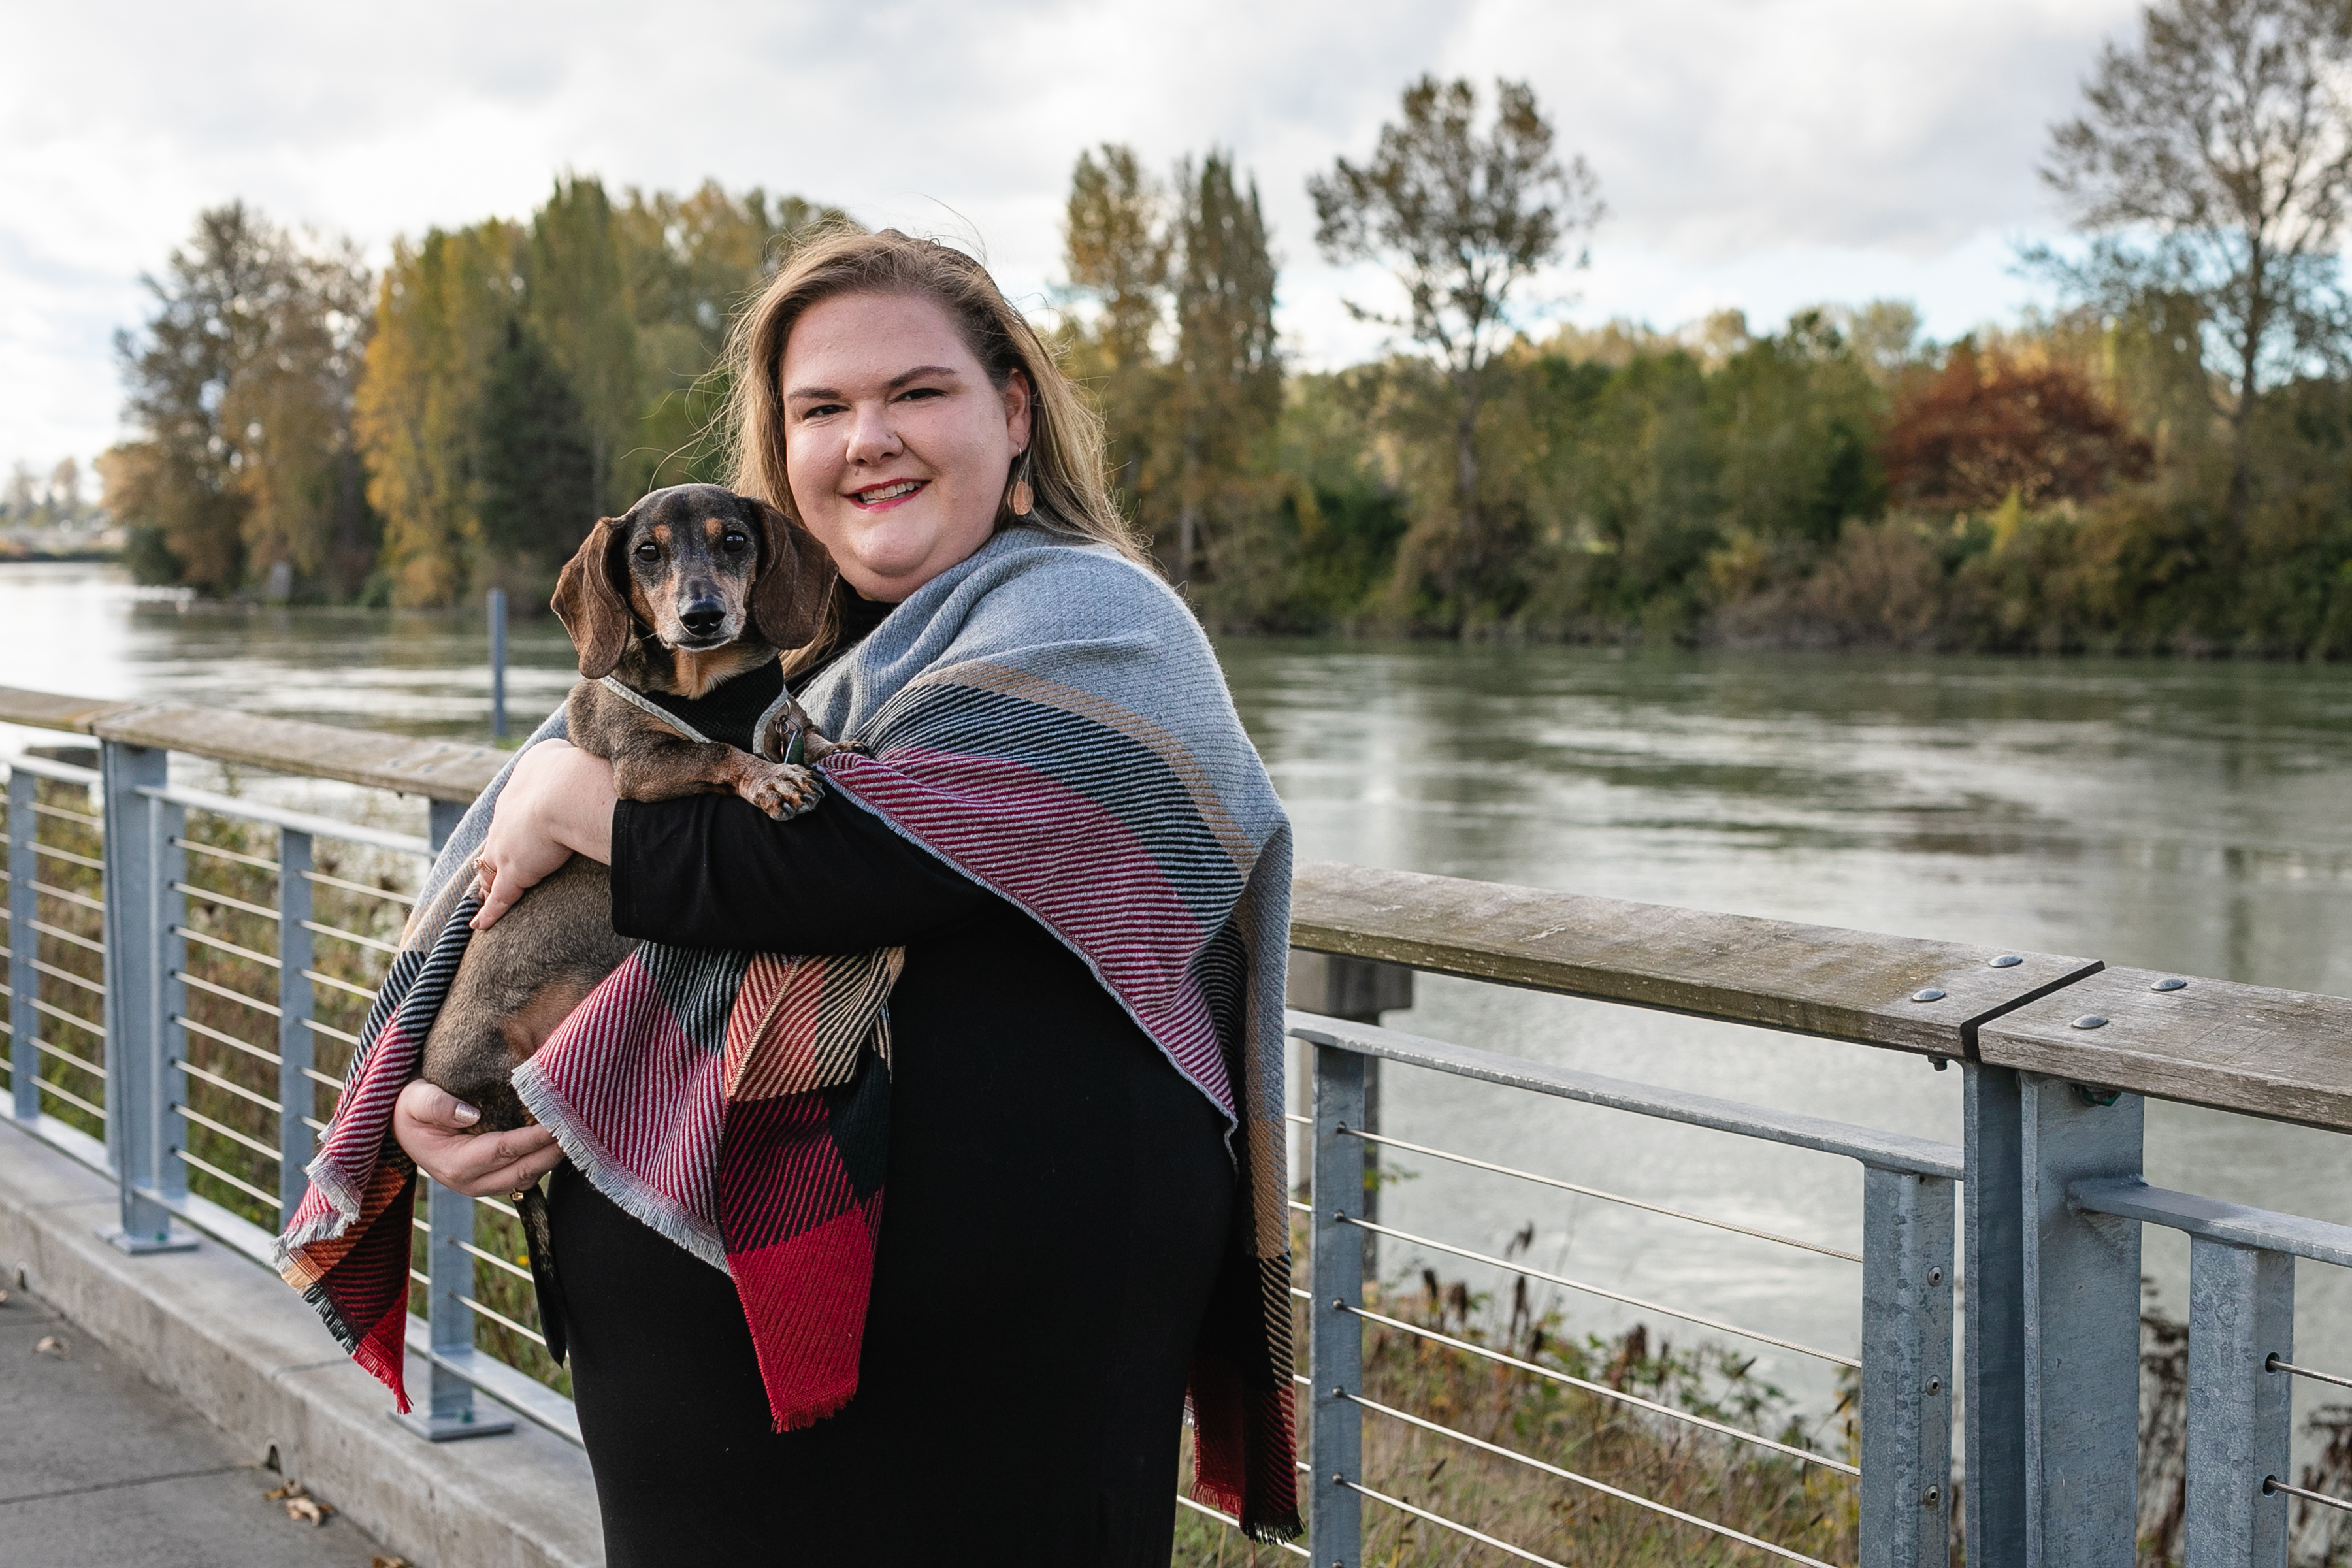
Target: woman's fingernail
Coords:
[[467, 1115]]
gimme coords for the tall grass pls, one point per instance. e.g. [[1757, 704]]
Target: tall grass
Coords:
[[1806, 1508]]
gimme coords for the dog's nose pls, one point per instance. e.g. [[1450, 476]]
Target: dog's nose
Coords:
[[703, 617]]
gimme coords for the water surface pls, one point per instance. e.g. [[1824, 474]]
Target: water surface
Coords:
[[2171, 816]]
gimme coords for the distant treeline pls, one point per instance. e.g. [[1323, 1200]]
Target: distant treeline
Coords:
[[2162, 463]]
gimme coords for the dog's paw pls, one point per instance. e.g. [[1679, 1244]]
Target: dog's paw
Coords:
[[783, 790]]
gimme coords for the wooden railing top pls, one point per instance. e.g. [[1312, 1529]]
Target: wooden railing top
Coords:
[[438, 770], [2248, 1048]]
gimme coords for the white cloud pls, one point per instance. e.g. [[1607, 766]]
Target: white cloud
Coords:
[[1758, 153]]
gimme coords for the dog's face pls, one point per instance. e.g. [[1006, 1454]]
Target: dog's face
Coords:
[[701, 569]]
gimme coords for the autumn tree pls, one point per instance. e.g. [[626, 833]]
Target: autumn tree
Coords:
[[442, 315], [2213, 160], [239, 399], [1464, 219], [1990, 424]]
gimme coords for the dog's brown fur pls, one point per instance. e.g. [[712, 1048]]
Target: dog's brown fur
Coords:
[[692, 587]]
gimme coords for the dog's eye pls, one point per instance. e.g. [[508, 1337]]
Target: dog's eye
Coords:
[[649, 550], [733, 542]]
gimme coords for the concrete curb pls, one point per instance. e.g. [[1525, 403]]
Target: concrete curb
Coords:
[[233, 1341]]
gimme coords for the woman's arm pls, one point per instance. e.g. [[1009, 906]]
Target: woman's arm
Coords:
[[557, 803], [712, 871]]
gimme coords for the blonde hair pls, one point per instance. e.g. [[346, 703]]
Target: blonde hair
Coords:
[[1064, 461]]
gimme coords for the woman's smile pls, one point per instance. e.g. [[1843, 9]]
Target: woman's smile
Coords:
[[880, 498]]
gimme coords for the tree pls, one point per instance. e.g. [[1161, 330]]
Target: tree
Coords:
[[692, 262], [1990, 424], [239, 398], [2224, 140], [441, 315], [1228, 359], [533, 446], [1116, 248], [1463, 220], [580, 308]]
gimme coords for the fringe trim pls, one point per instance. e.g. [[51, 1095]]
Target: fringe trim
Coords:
[[608, 1176]]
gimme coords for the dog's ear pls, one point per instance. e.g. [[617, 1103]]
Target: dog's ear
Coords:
[[594, 608], [796, 576]]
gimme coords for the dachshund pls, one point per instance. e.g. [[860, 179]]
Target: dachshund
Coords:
[[693, 587]]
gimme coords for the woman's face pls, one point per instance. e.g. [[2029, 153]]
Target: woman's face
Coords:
[[896, 443]]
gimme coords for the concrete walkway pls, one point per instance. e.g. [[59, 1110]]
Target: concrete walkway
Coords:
[[99, 1468]]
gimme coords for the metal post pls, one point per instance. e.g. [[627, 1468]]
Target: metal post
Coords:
[[297, 1095], [449, 1411], [498, 664], [1335, 1345], [441, 819], [1358, 990], [1993, 1337], [448, 1414], [2082, 1329], [2241, 1313], [141, 864], [23, 945], [1907, 1369]]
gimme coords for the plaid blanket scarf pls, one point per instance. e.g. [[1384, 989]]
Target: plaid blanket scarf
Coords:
[[1045, 716]]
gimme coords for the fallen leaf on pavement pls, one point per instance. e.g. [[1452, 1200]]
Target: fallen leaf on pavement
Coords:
[[390, 1563], [49, 1344], [307, 1508], [286, 1490]]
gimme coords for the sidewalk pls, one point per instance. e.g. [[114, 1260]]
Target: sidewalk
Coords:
[[99, 1468]]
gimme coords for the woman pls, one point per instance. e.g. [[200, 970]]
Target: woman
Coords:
[[1083, 1170]]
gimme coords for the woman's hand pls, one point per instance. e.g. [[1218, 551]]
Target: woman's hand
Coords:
[[558, 803], [435, 1129]]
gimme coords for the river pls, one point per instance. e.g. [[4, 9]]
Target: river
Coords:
[[2187, 817]]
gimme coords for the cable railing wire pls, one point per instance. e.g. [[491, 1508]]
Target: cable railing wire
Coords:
[[1587, 1192], [339, 934], [232, 949], [71, 938], [325, 880], [1806, 1456], [225, 993], [2272, 1485], [79, 981], [68, 1057], [69, 896], [1647, 1306], [226, 1087], [1552, 1469], [2277, 1363], [1232, 1523], [242, 1140], [534, 1335], [209, 1033], [49, 1010], [216, 1174], [208, 896], [218, 853], [48, 1086]]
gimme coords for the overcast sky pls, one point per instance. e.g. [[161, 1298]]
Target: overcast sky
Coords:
[[1757, 153]]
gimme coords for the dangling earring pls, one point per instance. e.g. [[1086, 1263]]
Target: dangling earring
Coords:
[[1022, 498]]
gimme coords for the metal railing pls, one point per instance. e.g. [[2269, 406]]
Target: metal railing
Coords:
[[202, 1097]]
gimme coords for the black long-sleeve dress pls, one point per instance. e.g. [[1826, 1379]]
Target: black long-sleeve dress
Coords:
[[1058, 1197]]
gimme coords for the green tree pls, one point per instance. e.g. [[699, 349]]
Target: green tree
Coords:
[[2214, 162], [579, 305], [692, 263], [533, 446], [238, 397], [1228, 360], [1463, 220], [1116, 248]]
